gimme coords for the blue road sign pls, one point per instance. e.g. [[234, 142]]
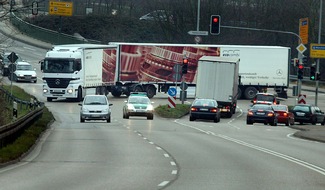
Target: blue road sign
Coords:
[[172, 91]]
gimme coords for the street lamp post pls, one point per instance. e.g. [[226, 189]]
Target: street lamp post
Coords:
[[319, 41]]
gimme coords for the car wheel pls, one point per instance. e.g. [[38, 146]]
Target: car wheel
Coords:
[[150, 117], [81, 120], [127, 116], [49, 99], [288, 122], [216, 120], [249, 122], [192, 118], [301, 123], [313, 121], [109, 120], [323, 123]]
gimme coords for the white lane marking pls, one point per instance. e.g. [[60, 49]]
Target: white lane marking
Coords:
[[261, 149], [151, 142], [144, 138], [163, 183], [174, 172], [166, 155], [291, 136], [173, 163], [158, 148]]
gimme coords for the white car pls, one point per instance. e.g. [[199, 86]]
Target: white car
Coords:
[[95, 107], [24, 72]]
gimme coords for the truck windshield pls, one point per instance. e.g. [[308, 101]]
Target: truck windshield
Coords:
[[59, 66]]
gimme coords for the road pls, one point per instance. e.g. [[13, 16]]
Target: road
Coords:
[[173, 154]]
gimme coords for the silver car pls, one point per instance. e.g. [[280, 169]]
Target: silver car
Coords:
[[95, 107]]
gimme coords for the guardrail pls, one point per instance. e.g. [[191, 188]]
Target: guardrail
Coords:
[[10, 132]]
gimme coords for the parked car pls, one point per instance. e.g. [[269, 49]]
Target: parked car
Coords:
[[265, 98], [6, 62], [138, 104], [305, 113], [205, 109], [24, 72], [262, 113], [95, 107], [284, 115]]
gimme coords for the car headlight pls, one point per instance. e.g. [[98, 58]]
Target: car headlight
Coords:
[[33, 75], [149, 107], [20, 75], [84, 109], [70, 91], [130, 107]]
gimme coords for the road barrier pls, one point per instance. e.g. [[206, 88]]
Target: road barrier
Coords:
[[10, 132]]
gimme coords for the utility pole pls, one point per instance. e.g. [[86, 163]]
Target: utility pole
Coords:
[[319, 41]]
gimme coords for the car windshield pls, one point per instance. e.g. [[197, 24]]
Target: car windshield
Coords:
[[280, 108], [95, 100], [301, 108], [263, 97], [261, 107], [139, 100], [24, 68], [204, 103]]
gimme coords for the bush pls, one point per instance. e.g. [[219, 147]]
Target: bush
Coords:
[[179, 111]]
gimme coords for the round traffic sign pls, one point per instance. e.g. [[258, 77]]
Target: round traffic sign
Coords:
[[184, 85], [12, 67], [172, 91]]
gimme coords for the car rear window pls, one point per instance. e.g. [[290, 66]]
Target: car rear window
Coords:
[[263, 97], [301, 108], [280, 108]]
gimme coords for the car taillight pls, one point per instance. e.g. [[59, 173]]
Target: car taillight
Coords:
[[250, 113], [193, 109], [285, 114], [270, 114], [215, 110]]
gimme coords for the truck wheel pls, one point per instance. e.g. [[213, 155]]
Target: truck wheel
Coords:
[[151, 91], [79, 96], [137, 89], [49, 99], [116, 93], [250, 92], [239, 93]]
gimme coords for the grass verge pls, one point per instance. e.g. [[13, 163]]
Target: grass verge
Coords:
[[179, 111], [28, 138]]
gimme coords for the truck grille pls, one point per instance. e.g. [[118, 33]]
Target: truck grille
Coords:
[[57, 83]]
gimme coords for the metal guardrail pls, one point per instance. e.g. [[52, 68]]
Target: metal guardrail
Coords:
[[46, 35], [10, 132]]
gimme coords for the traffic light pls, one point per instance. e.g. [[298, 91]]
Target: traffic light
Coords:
[[215, 24], [300, 71], [318, 76], [312, 75], [295, 62], [185, 66]]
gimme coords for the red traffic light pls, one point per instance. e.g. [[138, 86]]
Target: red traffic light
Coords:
[[300, 66], [185, 61], [215, 19]]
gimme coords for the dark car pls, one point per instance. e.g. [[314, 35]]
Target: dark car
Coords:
[[262, 113], [305, 113], [284, 115], [205, 109], [265, 98]]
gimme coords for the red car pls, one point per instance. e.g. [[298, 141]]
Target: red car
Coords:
[[284, 116]]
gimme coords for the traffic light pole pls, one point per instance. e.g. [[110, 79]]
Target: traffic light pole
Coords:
[[319, 41]]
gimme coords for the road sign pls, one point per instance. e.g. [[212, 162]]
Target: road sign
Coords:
[[60, 8], [317, 50], [171, 101], [172, 91], [301, 48], [12, 57], [303, 30], [302, 99], [12, 67], [197, 39], [183, 85], [198, 33]]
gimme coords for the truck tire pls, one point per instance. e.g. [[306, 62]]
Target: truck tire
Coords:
[[239, 93], [116, 93], [137, 88], [151, 91], [79, 96], [49, 99], [250, 92]]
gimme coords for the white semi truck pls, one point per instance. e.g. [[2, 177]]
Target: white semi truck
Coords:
[[69, 70], [122, 68], [218, 79]]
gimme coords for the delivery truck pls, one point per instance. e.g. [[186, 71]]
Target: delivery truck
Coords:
[[121, 68], [70, 70], [218, 79]]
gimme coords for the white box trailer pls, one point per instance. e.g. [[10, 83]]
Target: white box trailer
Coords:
[[217, 78]]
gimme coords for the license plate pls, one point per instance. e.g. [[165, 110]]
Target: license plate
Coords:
[[300, 114], [139, 110], [203, 109], [260, 113]]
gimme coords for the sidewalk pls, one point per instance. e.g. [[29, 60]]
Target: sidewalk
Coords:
[[310, 132]]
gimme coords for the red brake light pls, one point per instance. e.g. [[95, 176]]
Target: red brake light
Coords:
[[215, 110], [193, 109], [285, 114], [250, 113], [270, 114]]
